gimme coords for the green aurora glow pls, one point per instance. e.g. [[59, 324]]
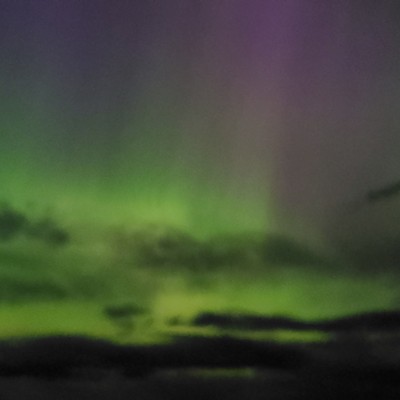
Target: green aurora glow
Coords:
[[207, 128]]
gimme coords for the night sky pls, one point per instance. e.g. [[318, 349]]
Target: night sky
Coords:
[[210, 115], [199, 120]]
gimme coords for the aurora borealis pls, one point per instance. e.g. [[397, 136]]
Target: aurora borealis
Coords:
[[197, 113], [167, 139]]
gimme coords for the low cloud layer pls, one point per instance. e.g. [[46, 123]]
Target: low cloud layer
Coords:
[[366, 322], [163, 246], [14, 223]]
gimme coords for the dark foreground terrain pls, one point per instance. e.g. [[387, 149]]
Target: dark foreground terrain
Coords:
[[184, 385], [360, 360]]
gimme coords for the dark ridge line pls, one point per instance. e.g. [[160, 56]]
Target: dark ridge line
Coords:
[[62, 356], [65, 357]]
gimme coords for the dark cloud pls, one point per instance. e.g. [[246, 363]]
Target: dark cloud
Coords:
[[48, 231], [20, 289], [248, 322], [165, 246], [373, 321], [14, 223]]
